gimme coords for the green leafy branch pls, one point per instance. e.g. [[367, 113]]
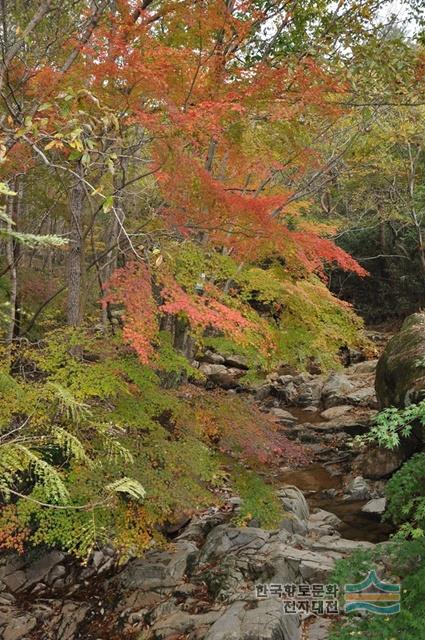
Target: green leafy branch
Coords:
[[392, 424]]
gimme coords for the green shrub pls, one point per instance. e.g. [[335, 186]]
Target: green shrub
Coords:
[[407, 562], [259, 500]]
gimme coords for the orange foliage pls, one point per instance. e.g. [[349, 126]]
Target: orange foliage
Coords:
[[131, 286], [13, 534]]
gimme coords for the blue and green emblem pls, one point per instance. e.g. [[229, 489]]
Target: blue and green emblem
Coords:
[[372, 595]]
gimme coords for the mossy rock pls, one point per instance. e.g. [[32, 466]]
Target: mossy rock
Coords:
[[400, 374]]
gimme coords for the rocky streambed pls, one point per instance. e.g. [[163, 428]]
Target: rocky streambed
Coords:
[[203, 586]]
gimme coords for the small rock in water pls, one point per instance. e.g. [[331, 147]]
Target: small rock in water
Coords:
[[311, 409], [375, 506], [358, 489]]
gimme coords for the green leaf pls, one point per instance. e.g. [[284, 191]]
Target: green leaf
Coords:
[[128, 486], [108, 204], [4, 189]]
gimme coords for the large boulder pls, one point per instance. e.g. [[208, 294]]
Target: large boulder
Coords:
[[376, 462], [400, 374]]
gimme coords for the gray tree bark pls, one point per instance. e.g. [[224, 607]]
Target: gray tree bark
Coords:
[[76, 264], [13, 210]]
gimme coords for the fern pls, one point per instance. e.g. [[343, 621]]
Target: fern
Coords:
[[70, 445], [127, 486], [69, 406], [17, 459], [115, 451]]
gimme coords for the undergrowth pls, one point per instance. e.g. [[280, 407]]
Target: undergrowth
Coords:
[[101, 448]]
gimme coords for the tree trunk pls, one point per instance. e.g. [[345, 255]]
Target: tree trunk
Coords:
[[76, 265], [112, 234], [13, 209]]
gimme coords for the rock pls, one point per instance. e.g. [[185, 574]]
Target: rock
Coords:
[[284, 416], [332, 493], [262, 392], [15, 581], [286, 370], [272, 377], [364, 397], [313, 366], [138, 600], [236, 361], [286, 393], [10, 563], [19, 627], [200, 526], [178, 623], [56, 572], [225, 540], [335, 390], [200, 587], [294, 501], [336, 412], [322, 518], [369, 366], [7, 598], [307, 435], [285, 379], [220, 375], [158, 569], [291, 564], [400, 374], [38, 570], [339, 547], [69, 619], [355, 355], [293, 524], [376, 463], [309, 393], [268, 621], [265, 621], [41, 588], [351, 425], [375, 506], [212, 358], [358, 489], [319, 629], [228, 626], [235, 372]]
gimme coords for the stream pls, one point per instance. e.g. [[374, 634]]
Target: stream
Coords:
[[315, 481]]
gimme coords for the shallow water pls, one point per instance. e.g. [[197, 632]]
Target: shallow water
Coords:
[[314, 480]]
